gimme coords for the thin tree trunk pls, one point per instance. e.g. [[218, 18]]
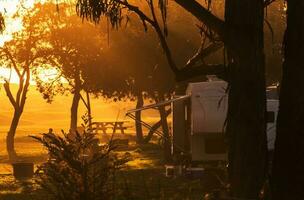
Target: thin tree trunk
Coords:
[[88, 104], [288, 164], [154, 128], [151, 132], [18, 103], [74, 110], [138, 126], [166, 136], [10, 142], [246, 120], [75, 102]]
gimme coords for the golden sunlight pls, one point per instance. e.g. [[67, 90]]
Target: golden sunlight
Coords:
[[46, 75], [7, 74], [13, 23]]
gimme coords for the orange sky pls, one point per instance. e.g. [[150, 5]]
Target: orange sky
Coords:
[[38, 115]]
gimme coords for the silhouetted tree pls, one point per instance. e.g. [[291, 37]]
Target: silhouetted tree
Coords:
[[242, 33], [246, 121], [74, 49], [22, 55], [87, 67], [144, 78], [288, 164]]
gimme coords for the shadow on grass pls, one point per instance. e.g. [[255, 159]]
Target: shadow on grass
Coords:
[[143, 178]]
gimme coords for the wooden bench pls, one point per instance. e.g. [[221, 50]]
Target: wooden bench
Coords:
[[114, 126]]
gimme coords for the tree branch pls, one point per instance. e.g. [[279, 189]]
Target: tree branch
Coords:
[[268, 2], [202, 14], [84, 102], [20, 89], [135, 9], [25, 88], [9, 94], [10, 57], [154, 23], [163, 41], [204, 52], [192, 72]]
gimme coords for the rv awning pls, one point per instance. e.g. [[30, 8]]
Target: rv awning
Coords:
[[163, 103]]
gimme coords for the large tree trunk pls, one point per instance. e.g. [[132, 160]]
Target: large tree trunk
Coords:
[[246, 123], [10, 143], [288, 164], [138, 126], [74, 110], [166, 134]]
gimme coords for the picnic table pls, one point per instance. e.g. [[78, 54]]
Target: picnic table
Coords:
[[112, 125]]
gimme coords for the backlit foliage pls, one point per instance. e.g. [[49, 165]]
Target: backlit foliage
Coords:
[[116, 10], [78, 167], [2, 23]]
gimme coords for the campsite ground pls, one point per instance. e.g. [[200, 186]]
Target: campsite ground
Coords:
[[142, 178]]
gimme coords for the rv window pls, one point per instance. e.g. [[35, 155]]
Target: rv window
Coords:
[[270, 117]]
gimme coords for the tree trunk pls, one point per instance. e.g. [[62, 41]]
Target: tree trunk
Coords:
[[166, 136], [74, 110], [246, 119], [18, 103], [151, 132], [10, 143], [154, 128], [88, 104], [287, 175], [138, 126]]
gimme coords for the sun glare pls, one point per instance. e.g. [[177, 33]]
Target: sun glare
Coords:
[[49, 75], [45, 75], [10, 75], [13, 24]]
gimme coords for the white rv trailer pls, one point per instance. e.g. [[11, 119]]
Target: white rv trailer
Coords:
[[202, 120], [198, 121]]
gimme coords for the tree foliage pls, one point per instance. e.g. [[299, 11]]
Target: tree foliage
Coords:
[[22, 55], [2, 23], [80, 54], [115, 10], [69, 53], [78, 167]]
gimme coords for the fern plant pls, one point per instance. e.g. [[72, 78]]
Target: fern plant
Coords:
[[78, 168]]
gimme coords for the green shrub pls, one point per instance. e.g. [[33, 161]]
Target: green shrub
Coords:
[[78, 167]]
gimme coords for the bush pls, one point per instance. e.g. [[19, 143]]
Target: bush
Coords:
[[78, 167]]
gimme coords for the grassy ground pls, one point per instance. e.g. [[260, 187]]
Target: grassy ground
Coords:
[[143, 177]]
